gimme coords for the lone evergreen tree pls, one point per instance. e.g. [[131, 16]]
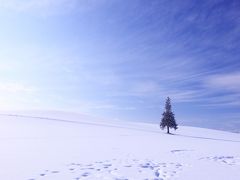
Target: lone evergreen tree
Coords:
[[168, 119]]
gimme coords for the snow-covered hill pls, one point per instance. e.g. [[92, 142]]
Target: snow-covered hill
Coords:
[[62, 146]]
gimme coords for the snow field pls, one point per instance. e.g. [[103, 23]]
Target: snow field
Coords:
[[85, 148]]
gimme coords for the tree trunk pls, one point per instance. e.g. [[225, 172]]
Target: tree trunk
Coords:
[[168, 130]]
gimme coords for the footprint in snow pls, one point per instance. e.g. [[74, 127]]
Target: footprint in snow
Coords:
[[117, 169], [85, 174], [229, 160]]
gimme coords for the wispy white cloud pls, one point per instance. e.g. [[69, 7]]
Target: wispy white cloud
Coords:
[[111, 107], [16, 95], [222, 89], [48, 7], [16, 88], [230, 81], [228, 100], [145, 87], [31, 5], [89, 106]]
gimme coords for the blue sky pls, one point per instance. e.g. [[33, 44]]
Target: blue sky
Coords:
[[120, 60]]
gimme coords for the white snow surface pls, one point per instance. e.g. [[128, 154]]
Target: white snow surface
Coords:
[[67, 146]]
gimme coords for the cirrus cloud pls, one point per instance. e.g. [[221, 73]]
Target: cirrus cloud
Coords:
[[16, 88], [230, 81], [49, 7]]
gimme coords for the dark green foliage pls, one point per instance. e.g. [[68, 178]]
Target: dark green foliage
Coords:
[[168, 119]]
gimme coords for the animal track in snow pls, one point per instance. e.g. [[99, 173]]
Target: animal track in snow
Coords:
[[128, 169]]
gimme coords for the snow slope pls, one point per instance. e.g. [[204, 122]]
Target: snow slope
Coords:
[[63, 146]]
